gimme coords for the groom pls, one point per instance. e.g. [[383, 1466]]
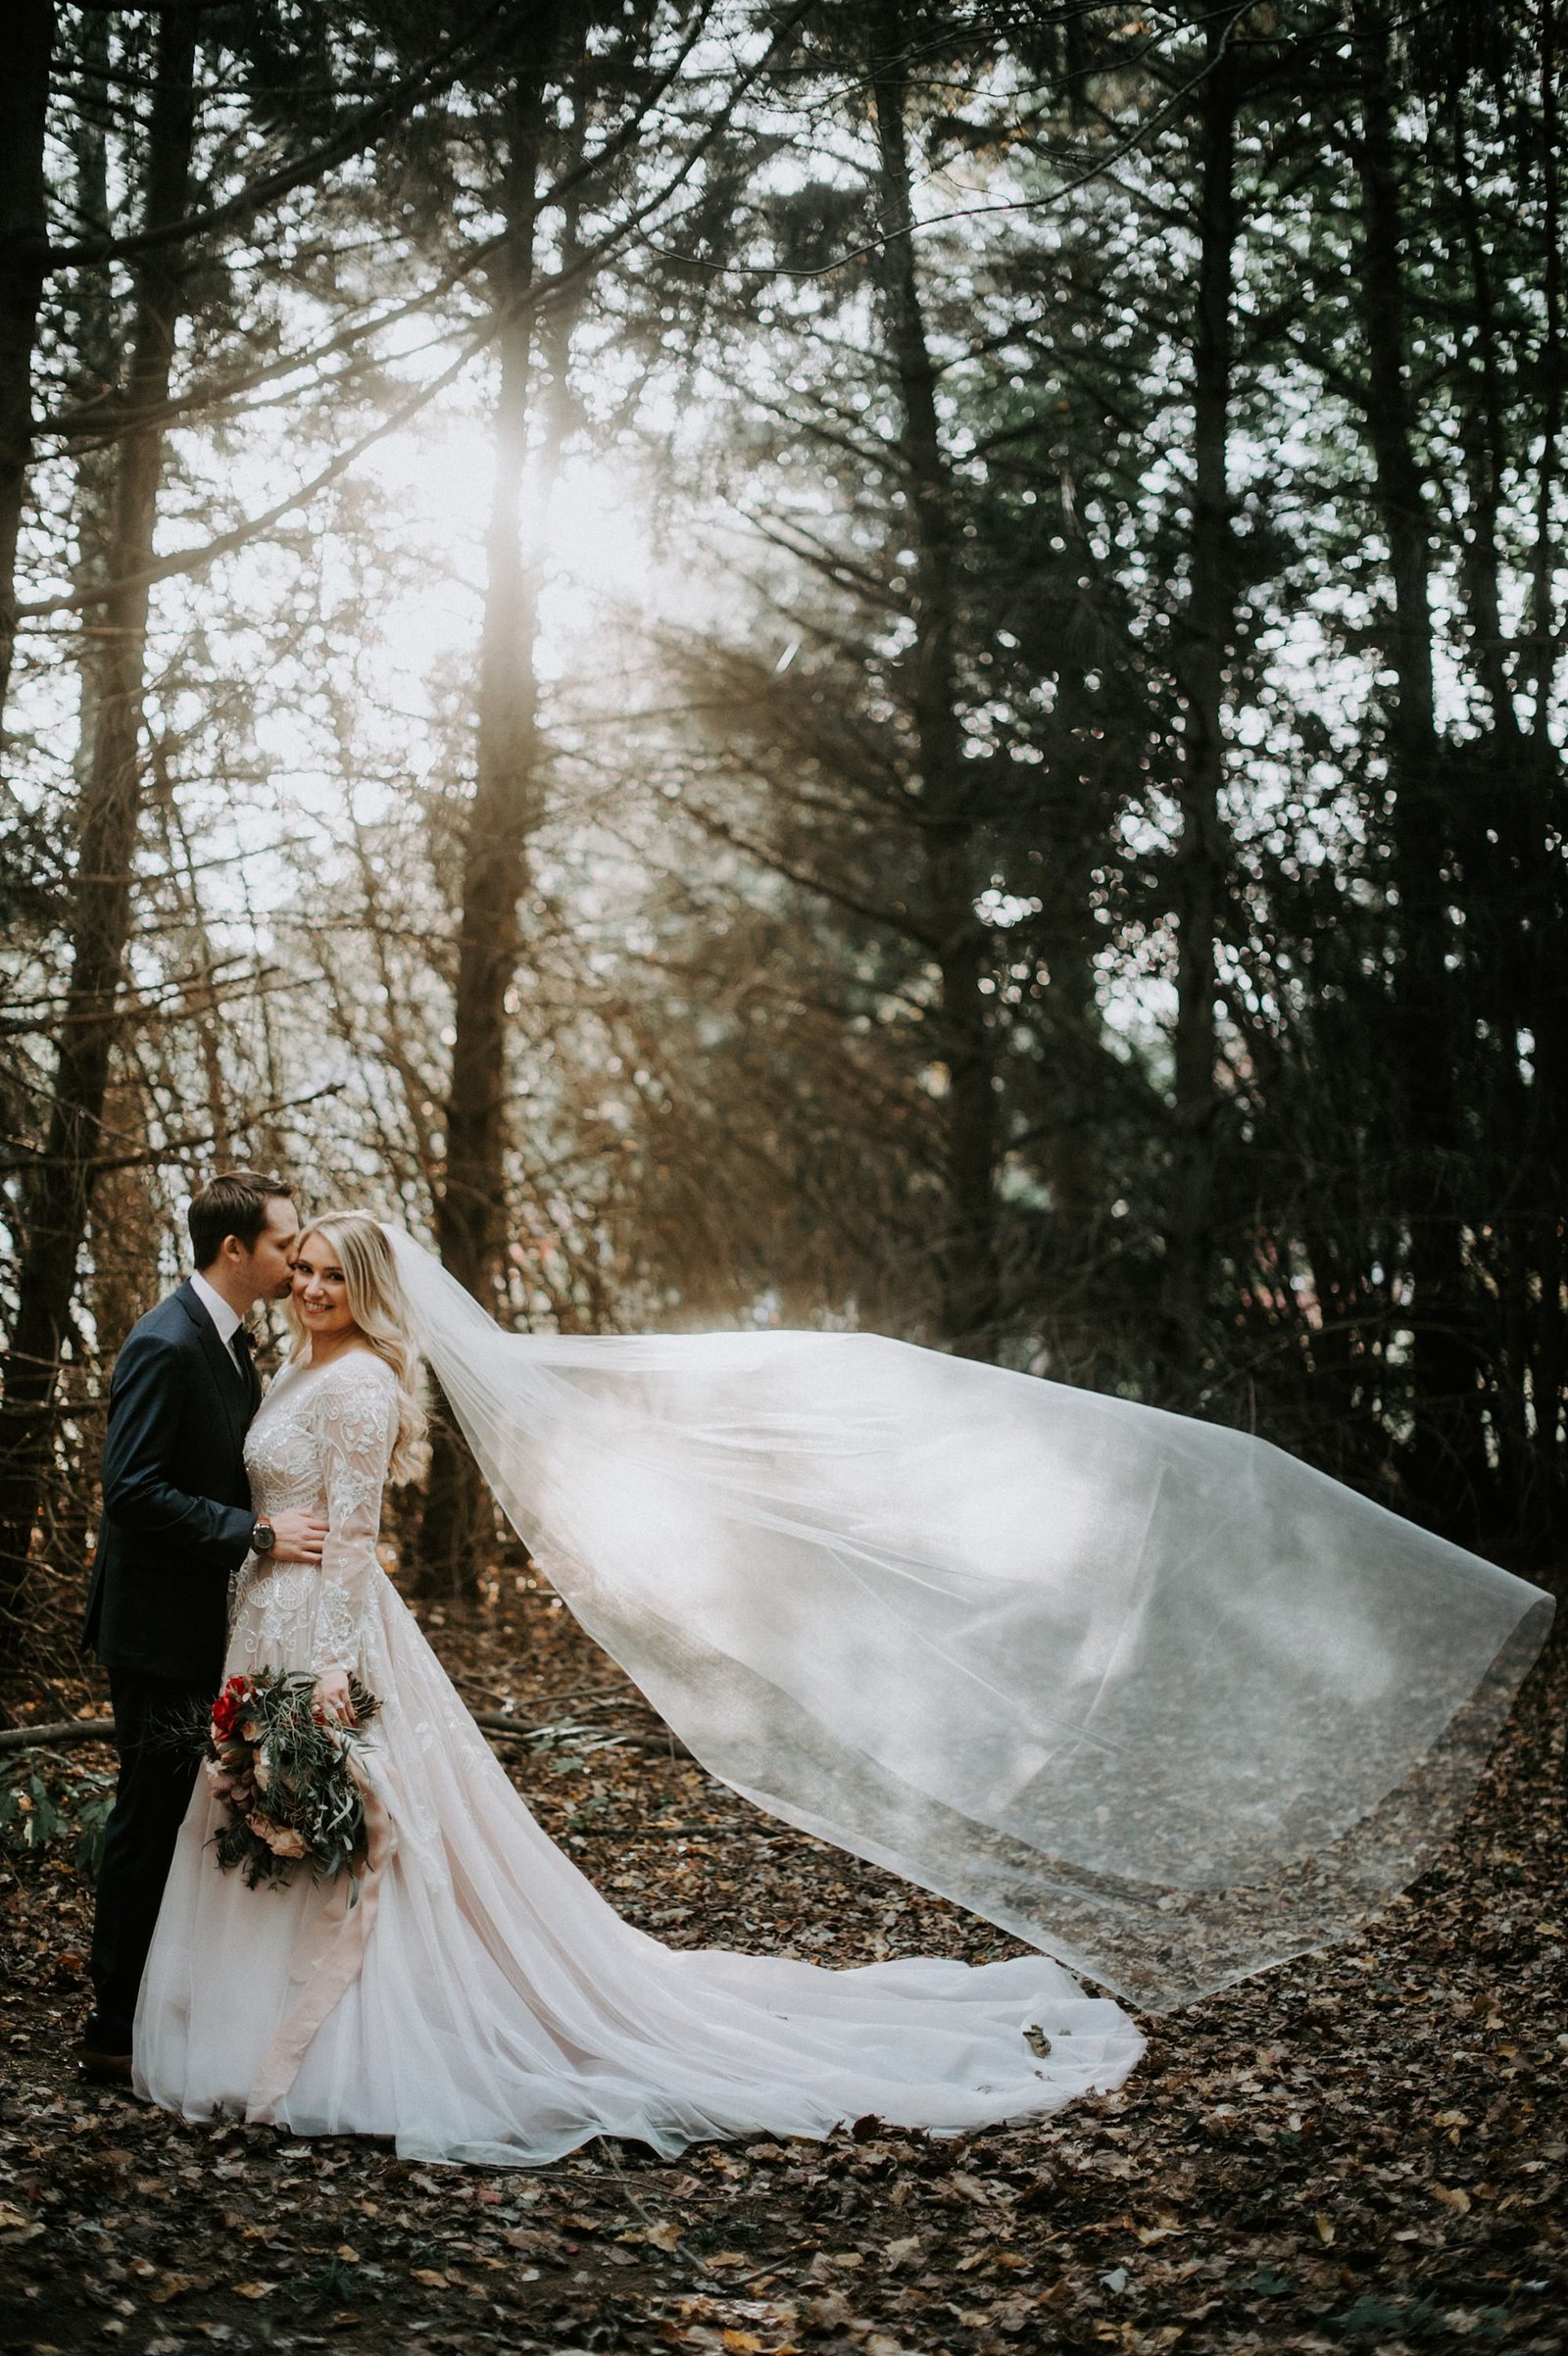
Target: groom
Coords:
[[176, 1522]]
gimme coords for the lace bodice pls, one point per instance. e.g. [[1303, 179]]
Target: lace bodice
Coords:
[[321, 1438]]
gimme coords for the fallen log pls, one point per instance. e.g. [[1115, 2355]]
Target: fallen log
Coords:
[[66, 1732], [58, 1736], [497, 1722]]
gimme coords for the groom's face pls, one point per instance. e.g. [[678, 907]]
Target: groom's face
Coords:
[[268, 1265]]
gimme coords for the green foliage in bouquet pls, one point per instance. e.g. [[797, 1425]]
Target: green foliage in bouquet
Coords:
[[279, 1766]]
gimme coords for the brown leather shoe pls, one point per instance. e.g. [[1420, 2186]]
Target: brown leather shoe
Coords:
[[103, 2068]]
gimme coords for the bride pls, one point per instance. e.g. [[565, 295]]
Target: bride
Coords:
[[1145, 1692], [497, 2010]]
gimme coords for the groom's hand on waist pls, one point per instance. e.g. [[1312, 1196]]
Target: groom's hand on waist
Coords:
[[300, 1536]]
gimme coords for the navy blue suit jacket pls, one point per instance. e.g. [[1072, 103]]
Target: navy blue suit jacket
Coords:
[[176, 1516]]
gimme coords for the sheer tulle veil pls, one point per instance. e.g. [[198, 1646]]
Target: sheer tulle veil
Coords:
[[1145, 1692]]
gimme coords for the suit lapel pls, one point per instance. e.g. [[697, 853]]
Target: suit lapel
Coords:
[[233, 1389]]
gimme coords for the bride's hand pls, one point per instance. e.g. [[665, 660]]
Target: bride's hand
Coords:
[[332, 1696], [299, 1537]]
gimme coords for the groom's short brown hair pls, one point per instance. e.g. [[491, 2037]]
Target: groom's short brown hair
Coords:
[[234, 1202]]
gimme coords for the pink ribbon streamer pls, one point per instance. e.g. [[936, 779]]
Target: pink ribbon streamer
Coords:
[[327, 1958]]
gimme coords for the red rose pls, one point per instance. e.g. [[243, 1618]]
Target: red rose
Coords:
[[228, 1705]]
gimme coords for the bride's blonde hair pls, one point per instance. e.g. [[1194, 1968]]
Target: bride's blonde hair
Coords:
[[377, 1307]]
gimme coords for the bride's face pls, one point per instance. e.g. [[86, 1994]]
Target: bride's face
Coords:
[[320, 1293]]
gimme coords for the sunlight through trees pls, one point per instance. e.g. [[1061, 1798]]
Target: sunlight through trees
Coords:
[[850, 661]]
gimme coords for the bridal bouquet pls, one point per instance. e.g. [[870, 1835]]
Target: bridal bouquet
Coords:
[[283, 1771]]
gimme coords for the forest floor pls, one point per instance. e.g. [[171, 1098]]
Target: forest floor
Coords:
[[1362, 2151]]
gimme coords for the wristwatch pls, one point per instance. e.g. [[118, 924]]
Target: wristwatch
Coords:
[[264, 1538]]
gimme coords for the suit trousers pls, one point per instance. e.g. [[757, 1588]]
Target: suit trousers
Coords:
[[157, 1729]]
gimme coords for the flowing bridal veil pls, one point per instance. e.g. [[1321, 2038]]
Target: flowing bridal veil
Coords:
[[1146, 1692]]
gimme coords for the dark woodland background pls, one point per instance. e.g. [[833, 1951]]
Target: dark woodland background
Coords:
[[1076, 876]]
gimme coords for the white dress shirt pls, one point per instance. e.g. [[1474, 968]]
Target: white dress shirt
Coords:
[[226, 1318]]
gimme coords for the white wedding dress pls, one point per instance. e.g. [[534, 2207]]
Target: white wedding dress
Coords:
[[488, 2005]]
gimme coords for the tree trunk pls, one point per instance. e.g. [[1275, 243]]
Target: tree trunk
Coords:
[[1444, 1460], [506, 808], [970, 1304], [1203, 650], [1504, 838], [23, 262], [58, 1200], [1542, 659], [1484, 437], [1546, 1507], [96, 361]]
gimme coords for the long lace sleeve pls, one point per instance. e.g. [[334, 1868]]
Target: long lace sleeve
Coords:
[[356, 1409]]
